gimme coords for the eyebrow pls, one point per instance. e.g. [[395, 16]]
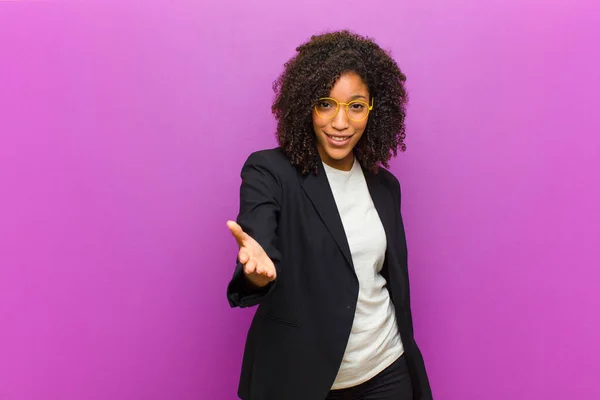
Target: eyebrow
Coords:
[[358, 96]]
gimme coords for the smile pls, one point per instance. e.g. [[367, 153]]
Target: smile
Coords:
[[339, 139]]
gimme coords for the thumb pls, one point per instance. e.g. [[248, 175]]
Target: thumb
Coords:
[[237, 232]]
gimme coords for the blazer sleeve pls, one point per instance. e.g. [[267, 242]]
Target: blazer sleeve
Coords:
[[400, 225], [260, 204], [421, 385]]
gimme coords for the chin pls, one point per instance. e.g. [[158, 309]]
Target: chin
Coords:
[[338, 155]]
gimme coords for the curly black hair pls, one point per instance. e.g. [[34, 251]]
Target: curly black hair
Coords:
[[311, 74]]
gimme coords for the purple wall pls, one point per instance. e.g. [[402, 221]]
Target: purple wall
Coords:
[[123, 129]]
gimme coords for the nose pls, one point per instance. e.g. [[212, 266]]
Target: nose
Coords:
[[340, 121]]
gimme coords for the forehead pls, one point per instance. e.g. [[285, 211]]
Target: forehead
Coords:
[[348, 85]]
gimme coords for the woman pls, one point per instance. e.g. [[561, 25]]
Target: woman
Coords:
[[322, 244]]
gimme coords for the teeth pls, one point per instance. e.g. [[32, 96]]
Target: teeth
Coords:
[[338, 138]]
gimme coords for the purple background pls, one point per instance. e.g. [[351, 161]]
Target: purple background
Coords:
[[123, 129]]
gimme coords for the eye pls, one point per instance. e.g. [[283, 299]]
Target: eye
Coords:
[[324, 104], [357, 106]]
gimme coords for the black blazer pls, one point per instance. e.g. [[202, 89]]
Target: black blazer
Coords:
[[297, 338]]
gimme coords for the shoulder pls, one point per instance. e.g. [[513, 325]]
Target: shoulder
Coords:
[[389, 179], [387, 176], [273, 157], [272, 162]]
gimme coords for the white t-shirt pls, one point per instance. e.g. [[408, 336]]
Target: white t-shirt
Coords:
[[374, 342]]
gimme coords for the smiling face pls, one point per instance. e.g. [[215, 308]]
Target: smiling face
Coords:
[[337, 136]]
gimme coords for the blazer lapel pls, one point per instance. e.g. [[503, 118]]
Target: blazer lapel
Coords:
[[387, 209], [383, 202], [319, 192]]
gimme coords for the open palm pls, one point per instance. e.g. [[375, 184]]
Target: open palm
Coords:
[[258, 267]]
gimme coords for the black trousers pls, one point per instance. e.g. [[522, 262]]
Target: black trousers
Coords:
[[393, 383]]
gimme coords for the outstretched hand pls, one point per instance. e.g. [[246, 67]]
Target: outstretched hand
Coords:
[[258, 267]]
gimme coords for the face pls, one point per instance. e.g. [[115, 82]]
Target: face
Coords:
[[337, 136]]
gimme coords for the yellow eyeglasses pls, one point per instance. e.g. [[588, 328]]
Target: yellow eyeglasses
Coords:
[[356, 110]]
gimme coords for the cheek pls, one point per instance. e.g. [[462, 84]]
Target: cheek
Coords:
[[318, 123], [360, 126]]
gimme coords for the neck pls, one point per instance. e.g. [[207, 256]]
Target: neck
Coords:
[[344, 164]]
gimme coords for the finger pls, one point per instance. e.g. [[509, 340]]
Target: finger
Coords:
[[237, 231], [266, 271], [243, 256], [250, 267]]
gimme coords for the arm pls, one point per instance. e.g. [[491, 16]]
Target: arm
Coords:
[[260, 200]]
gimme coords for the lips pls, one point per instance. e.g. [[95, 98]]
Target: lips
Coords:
[[338, 140]]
